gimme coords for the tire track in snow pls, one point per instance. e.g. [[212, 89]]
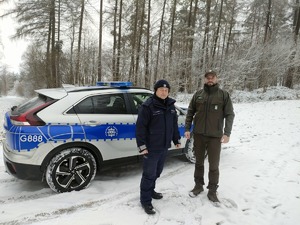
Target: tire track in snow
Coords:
[[123, 198], [41, 216], [27, 197], [9, 180]]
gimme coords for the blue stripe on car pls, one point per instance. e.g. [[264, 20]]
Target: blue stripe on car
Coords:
[[27, 138]]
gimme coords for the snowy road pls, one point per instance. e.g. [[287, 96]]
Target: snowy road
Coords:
[[259, 183]]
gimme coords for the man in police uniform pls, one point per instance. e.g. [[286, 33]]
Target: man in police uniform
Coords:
[[156, 127], [208, 109]]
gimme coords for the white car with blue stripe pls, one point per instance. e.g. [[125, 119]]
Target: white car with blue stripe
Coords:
[[64, 135]]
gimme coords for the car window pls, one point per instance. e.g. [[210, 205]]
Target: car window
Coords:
[[31, 104], [138, 99], [101, 104]]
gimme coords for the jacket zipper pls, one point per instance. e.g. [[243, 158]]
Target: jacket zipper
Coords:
[[206, 112]]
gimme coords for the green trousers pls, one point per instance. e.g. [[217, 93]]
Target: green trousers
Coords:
[[211, 146]]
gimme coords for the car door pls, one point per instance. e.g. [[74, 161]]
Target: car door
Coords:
[[108, 124]]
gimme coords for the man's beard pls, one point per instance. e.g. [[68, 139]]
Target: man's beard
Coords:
[[210, 83]]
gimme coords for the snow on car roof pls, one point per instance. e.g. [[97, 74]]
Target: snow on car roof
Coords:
[[58, 93]]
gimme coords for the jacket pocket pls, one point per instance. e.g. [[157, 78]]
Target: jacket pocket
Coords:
[[216, 107], [200, 105]]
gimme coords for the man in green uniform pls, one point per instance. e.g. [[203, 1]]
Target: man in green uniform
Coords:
[[209, 108]]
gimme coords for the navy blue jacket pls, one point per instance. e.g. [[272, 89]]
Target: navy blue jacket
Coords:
[[157, 124]]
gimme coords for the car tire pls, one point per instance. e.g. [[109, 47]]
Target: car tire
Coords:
[[189, 150], [71, 170]]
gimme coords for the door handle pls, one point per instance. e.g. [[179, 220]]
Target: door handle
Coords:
[[91, 123]]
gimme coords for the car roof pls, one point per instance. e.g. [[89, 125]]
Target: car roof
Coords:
[[58, 93]]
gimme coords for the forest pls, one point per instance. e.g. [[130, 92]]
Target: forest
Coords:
[[250, 43]]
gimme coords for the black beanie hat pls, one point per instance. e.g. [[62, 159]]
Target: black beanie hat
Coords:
[[161, 83]]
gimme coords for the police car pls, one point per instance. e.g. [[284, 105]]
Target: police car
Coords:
[[64, 135]]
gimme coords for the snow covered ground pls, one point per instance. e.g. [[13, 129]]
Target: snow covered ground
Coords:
[[259, 183]]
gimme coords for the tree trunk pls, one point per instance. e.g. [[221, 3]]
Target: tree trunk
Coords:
[[72, 78], [4, 81], [289, 77], [190, 45], [172, 28], [53, 51], [231, 27], [296, 22], [78, 77], [48, 58], [159, 40], [115, 42], [100, 42], [132, 75], [140, 34], [253, 27], [119, 43], [172, 70], [204, 58], [267, 26], [217, 32], [58, 49], [147, 73]]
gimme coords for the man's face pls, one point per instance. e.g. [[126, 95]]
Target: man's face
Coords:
[[210, 80], [162, 92]]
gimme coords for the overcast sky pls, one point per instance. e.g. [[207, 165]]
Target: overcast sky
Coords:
[[11, 51]]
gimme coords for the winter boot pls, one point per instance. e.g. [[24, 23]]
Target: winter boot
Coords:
[[196, 190], [212, 196], [157, 195], [149, 209]]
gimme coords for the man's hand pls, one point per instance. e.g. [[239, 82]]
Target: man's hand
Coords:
[[144, 152], [225, 139], [187, 134]]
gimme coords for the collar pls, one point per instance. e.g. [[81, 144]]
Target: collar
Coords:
[[162, 101], [211, 89]]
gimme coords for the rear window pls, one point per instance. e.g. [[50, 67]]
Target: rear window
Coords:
[[31, 104]]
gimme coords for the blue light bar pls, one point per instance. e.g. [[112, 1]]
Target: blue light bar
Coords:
[[114, 83]]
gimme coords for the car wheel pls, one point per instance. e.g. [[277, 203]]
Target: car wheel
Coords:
[[71, 170], [189, 150]]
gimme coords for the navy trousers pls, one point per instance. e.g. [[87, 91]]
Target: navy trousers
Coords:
[[153, 164]]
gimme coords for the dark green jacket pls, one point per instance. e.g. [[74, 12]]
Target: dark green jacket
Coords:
[[208, 109]]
